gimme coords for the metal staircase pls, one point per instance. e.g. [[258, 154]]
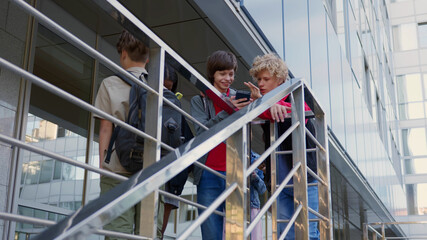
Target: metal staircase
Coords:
[[234, 130]]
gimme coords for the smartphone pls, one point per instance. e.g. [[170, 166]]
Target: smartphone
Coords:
[[243, 94]]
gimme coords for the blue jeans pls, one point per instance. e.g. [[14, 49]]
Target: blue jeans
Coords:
[[209, 188], [285, 210]]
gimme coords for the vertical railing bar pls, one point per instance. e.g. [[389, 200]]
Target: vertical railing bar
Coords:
[[235, 204], [273, 182], [299, 156]]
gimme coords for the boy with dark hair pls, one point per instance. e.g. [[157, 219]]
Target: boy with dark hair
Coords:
[[113, 98], [221, 67]]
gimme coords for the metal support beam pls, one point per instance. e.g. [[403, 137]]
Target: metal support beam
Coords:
[[323, 172], [299, 156], [153, 127], [273, 180], [235, 205]]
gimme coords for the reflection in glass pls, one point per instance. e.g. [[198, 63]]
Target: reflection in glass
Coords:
[[414, 142], [57, 126], [425, 86], [405, 37], [421, 192], [268, 16], [422, 32], [416, 166], [409, 88], [411, 111]]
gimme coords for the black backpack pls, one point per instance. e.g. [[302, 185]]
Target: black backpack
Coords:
[[128, 146]]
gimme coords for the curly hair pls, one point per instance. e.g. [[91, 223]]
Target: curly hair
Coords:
[[271, 62], [136, 49]]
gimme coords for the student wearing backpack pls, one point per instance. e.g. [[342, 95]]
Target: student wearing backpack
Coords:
[[221, 68], [270, 71], [176, 184], [113, 98]]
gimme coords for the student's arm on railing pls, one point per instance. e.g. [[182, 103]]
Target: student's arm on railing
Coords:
[[105, 132], [277, 112], [199, 112]]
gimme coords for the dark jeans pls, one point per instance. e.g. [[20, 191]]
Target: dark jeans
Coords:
[[209, 188]]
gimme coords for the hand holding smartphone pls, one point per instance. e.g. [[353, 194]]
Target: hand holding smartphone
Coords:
[[243, 94]]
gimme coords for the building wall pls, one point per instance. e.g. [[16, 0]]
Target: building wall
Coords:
[[409, 24], [343, 49]]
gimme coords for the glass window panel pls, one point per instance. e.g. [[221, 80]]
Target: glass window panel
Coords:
[[421, 191], [405, 37], [416, 166], [425, 86], [46, 171], [411, 111], [409, 88], [422, 32], [414, 142], [58, 170], [268, 16], [56, 125]]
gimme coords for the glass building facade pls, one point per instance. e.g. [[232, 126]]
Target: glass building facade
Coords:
[[409, 21], [343, 49]]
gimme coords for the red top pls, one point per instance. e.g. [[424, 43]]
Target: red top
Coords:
[[217, 156], [267, 114]]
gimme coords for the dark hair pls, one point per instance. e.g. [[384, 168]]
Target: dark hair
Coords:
[[219, 61], [136, 49], [171, 75]]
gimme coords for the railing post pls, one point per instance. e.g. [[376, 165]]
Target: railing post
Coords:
[[325, 228], [365, 232], [235, 204], [383, 232], [299, 155], [153, 123], [273, 180]]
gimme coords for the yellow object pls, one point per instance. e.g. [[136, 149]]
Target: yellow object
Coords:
[[179, 95]]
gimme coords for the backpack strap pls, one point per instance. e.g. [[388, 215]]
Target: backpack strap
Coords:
[[205, 104], [116, 130], [110, 145]]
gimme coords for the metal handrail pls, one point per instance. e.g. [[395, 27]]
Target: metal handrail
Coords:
[[150, 178], [88, 167], [47, 22], [369, 226], [77, 101], [144, 182], [42, 222]]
